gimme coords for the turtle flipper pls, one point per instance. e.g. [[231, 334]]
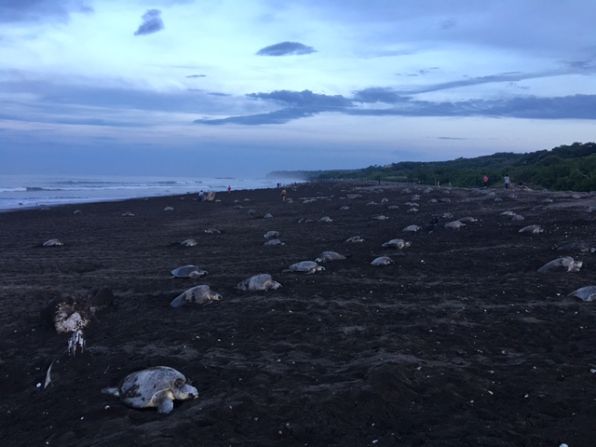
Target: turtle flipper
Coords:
[[165, 403]]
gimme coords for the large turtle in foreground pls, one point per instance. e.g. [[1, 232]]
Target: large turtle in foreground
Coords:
[[155, 387]]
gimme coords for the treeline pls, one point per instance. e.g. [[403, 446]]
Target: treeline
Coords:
[[569, 167]]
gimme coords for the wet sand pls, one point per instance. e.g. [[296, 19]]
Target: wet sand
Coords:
[[459, 343]]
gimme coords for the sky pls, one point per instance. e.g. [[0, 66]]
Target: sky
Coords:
[[243, 87]]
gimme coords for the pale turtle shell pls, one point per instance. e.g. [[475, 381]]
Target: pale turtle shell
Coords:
[[534, 229], [587, 293], [274, 242], [354, 240], [396, 243], [454, 225], [52, 243], [306, 267], [188, 243], [566, 263], [382, 260], [272, 234], [188, 271], [412, 228], [329, 255], [198, 295], [262, 281]]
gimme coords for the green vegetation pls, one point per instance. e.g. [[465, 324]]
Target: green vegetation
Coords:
[[571, 167]]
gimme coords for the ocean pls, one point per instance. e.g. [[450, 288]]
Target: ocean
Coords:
[[28, 191]]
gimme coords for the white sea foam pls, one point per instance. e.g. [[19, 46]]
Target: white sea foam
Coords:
[[33, 191]]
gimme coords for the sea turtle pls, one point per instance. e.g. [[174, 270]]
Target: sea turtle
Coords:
[[412, 228], [454, 225], [188, 243], [566, 263], [168, 209], [262, 281], [326, 219], [268, 216], [274, 243], [327, 256], [52, 243], [468, 219], [188, 271], [534, 229], [308, 267], [382, 260], [354, 240], [272, 235], [587, 293], [397, 243], [155, 387], [199, 295]]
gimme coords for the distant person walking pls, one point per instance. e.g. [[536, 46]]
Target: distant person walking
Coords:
[[229, 188], [485, 181], [284, 195], [507, 181]]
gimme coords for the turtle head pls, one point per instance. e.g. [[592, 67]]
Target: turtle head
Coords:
[[575, 266], [183, 390]]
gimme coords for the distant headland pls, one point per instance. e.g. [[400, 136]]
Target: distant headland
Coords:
[[568, 167]]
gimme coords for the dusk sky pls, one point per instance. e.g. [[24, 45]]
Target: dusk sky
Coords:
[[242, 87]]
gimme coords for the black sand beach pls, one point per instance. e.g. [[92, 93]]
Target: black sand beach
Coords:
[[459, 343]]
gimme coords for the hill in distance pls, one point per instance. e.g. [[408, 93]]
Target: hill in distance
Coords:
[[569, 167]]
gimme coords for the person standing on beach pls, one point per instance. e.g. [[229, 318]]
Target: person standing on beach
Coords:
[[507, 181], [284, 194], [229, 188], [485, 181]]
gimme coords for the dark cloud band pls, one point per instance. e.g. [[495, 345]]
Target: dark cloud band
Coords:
[[286, 49]]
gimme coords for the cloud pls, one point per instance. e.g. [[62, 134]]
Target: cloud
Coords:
[[196, 76], [37, 10], [278, 117], [304, 99], [378, 94], [297, 105], [390, 95], [152, 23], [285, 49]]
